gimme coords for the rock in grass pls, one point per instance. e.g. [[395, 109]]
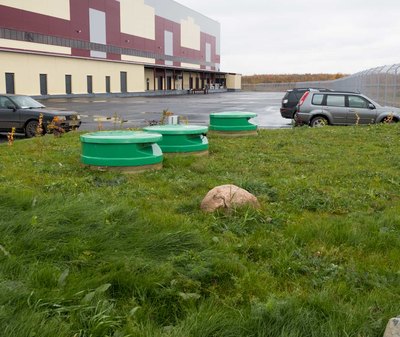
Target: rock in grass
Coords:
[[393, 328], [228, 197]]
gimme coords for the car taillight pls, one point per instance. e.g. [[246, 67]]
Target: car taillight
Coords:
[[302, 99]]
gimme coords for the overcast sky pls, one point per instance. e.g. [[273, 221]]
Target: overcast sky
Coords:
[[304, 36]]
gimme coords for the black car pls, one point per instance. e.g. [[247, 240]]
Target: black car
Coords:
[[24, 114], [291, 98]]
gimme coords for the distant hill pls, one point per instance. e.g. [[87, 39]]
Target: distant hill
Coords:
[[284, 78]]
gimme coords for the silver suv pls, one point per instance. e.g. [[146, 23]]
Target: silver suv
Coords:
[[341, 108]]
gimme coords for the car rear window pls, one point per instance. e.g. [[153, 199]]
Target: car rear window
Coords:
[[335, 100], [293, 98], [299, 94], [317, 99]]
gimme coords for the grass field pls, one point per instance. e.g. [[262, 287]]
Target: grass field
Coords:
[[86, 253]]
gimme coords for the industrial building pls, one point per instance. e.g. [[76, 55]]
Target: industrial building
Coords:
[[83, 47]]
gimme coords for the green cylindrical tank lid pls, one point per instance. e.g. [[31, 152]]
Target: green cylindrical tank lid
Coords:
[[121, 149], [121, 137], [177, 129], [181, 138], [233, 114]]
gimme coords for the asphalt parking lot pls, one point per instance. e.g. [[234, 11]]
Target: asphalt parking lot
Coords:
[[109, 113]]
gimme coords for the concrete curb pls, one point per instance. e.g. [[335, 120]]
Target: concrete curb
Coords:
[[129, 94]]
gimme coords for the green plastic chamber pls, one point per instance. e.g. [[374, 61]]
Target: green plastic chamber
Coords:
[[121, 149], [178, 138], [232, 122]]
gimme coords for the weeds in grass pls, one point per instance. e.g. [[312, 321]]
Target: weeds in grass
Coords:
[[184, 120], [165, 114], [153, 122], [117, 121], [55, 127], [164, 118], [296, 121], [389, 119], [357, 119], [10, 137], [39, 128]]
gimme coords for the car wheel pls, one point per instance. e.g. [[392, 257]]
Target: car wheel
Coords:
[[31, 129], [389, 119], [318, 122]]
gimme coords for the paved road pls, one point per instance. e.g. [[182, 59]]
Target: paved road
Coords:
[[138, 111]]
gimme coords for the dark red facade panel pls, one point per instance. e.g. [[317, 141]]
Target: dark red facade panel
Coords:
[[77, 28]]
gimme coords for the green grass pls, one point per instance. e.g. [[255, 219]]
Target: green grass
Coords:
[[86, 253]]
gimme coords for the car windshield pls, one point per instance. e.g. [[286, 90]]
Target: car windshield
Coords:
[[26, 102]]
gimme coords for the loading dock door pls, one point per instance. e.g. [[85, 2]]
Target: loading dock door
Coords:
[[68, 84], [90, 84], [124, 82], [108, 84], [160, 83], [43, 84], [10, 86]]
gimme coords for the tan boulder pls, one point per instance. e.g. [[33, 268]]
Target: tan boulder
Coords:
[[227, 197], [393, 328]]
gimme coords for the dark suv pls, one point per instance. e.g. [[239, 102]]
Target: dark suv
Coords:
[[292, 98], [24, 113]]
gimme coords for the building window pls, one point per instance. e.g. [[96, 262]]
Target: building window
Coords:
[[68, 84], [124, 82], [10, 84], [98, 32], [108, 84], [90, 84], [168, 46], [208, 55], [43, 84]]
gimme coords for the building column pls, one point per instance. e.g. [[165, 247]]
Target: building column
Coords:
[[154, 78], [165, 79]]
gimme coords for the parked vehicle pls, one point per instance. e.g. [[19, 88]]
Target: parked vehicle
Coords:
[[317, 108], [292, 98], [24, 113]]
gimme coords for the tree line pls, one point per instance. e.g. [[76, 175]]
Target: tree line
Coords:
[[284, 78]]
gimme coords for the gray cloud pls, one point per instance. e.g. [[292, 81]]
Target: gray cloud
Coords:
[[297, 36]]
